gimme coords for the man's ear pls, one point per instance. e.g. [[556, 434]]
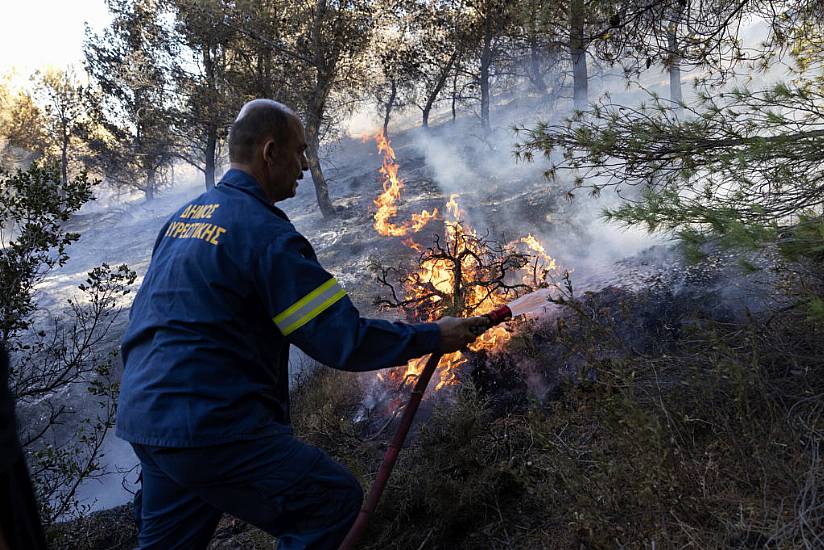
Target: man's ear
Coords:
[[269, 150]]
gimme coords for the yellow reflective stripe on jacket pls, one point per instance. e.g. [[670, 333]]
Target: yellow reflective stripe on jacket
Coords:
[[309, 307]]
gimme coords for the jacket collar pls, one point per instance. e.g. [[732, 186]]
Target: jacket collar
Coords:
[[238, 179]]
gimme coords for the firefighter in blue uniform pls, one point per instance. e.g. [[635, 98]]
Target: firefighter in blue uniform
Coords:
[[204, 397]]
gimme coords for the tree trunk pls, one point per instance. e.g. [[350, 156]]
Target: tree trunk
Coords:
[[211, 147], [64, 165], [535, 75], [321, 187], [457, 287], [314, 116], [211, 125], [264, 72], [151, 182], [675, 78], [433, 95], [674, 60], [486, 62], [578, 54], [390, 104], [454, 97], [426, 110], [64, 160], [315, 107]]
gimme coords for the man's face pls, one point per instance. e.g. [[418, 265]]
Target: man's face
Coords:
[[285, 165]]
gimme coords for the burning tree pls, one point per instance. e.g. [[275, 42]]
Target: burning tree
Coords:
[[461, 274]]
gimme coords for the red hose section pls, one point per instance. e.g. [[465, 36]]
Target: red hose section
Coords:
[[355, 533], [495, 317], [499, 315]]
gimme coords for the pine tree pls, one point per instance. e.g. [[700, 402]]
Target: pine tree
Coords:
[[130, 63], [742, 167]]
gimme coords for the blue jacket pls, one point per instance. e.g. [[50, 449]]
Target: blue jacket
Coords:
[[230, 286]]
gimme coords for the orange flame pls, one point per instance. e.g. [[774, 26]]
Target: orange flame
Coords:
[[540, 251], [413, 245], [387, 202], [420, 220], [452, 207], [439, 273]]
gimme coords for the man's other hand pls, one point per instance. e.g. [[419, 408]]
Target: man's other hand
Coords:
[[458, 333]]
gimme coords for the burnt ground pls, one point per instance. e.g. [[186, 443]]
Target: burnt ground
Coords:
[[662, 302]]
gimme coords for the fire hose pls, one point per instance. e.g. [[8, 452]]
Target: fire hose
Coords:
[[353, 536]]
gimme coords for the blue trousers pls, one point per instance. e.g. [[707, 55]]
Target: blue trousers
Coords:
[[277, 483]]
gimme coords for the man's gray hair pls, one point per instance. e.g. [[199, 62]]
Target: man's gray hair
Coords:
[[257, 121]]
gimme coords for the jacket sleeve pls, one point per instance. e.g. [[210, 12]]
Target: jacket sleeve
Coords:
[[314, 313]]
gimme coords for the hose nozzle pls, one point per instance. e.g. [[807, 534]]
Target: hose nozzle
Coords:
[[499, 315]]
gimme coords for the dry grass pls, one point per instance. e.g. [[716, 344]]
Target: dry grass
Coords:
[[713, 444]]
